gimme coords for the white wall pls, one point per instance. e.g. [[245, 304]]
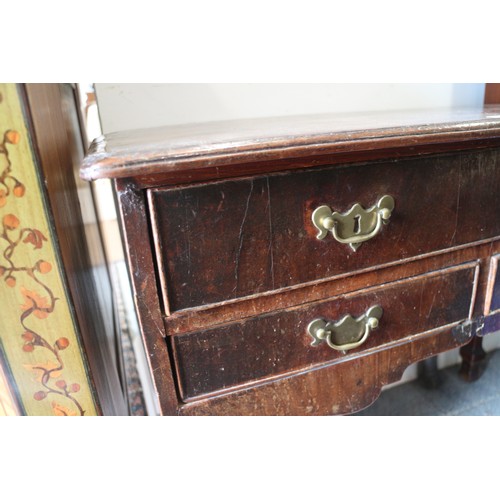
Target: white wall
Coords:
[[129, 106]]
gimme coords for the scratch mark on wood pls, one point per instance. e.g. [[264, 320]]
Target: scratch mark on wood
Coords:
[[436, 292], [270, 251], [458, 201], [237, 264], [420, 305], [151, 315]]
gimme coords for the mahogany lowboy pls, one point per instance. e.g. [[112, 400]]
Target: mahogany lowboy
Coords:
[[232, 285]]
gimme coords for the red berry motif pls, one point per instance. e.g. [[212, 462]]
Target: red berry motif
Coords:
[[12, 136], [62, 343], [15, 239], [61, 384], [28, 336], [39, 395], [44, 267], [10, 221], [19, 190]]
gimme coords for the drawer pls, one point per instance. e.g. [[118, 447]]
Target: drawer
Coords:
[[228, 240], [279, 344]]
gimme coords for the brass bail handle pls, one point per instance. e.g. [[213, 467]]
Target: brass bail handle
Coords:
[[355, 226], [346, 334]]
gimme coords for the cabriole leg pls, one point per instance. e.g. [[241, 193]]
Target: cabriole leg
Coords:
[[474, 360]]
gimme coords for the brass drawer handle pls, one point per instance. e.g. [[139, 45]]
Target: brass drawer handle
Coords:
[[346, 334], [356, 225]]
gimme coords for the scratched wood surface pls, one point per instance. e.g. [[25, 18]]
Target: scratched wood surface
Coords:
[[190, 320], [278, 343], [145, 293], [339, 389], [200, 150], [222, 241]]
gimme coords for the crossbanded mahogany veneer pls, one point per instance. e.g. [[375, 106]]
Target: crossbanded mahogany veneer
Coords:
[[296, 265]]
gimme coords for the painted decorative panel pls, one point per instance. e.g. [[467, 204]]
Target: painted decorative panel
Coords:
[[40, 339]]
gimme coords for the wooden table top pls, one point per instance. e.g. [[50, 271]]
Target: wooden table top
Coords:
[[210, 145]]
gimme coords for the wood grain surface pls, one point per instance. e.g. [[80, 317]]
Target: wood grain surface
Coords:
[[200, 318], [278, 343], [492, 93], [204, 146], [334, 390], [222, 241], [136, 238]]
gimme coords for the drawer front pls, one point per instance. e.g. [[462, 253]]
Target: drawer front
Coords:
[[278, 344], [232, 239]]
